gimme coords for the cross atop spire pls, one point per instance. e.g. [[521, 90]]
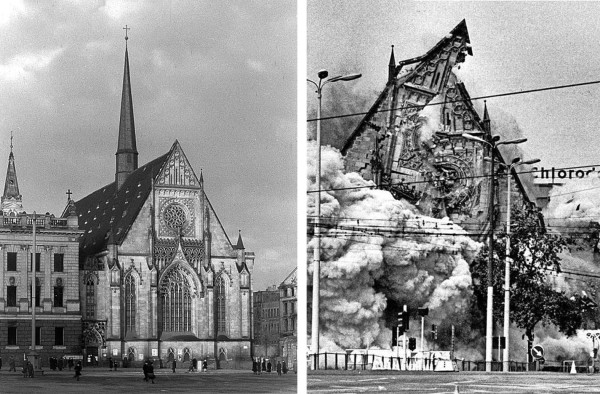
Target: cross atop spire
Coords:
[[126, 29], [127, 155]]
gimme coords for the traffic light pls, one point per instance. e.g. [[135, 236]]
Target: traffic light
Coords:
[[401, 323], [394, 336], [412, 343], [434, 331]]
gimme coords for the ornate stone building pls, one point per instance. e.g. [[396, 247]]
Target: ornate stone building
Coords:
[[288, 298], [411, 142], [159, 277], [57, 304]]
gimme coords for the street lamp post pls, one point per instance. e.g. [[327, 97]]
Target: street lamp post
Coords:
[[317, 250], [505, 356], [493, 143]]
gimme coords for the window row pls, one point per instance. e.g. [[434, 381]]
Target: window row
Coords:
[[11, 261], [59, 336], [289, 308], [289, 325], [288, 292], [11, 295], [271, 312]]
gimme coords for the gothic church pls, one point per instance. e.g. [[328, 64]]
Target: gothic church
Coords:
[[159, 277]]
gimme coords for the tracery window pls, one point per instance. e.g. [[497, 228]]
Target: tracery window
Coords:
[[221, 299], [177, 301], [130, 303], [90, 299], [131, 354]]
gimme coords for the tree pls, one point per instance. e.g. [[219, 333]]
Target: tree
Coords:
[[534, 253]]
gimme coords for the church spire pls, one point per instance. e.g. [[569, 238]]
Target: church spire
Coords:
[[11, 199], [127, 155], [392, 66]]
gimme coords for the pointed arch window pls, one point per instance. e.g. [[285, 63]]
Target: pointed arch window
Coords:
[[130, 303], [176, 301], [90, 298], [221, 289]]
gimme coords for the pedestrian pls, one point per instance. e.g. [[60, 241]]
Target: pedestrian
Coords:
[[11, 364], [115, 364], [0, 362], [279, 368], [195, 364], [145, 369], [110, 364], [205, 365], [60, 363], [254, 370], [77, 370], [30, 369], [174, 365], [284, 368], [264, 364], [150, 371]]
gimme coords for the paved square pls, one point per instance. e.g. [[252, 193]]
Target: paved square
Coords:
[[129, 380]]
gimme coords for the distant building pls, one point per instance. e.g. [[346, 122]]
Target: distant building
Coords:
[[57, 305], [288, 293], [266, 322]]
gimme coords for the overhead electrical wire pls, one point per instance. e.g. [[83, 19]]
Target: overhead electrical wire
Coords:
[[458, 101], [453, 179]]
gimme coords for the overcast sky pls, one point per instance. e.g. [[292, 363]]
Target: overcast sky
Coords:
[[517, 45], [218, 76]]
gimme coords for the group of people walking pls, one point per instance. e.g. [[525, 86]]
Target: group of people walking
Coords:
[[148, 369], [260, 364]]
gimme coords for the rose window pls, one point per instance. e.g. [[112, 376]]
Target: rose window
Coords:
[[175, 216]]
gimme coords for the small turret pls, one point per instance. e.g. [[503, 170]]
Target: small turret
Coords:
[[392, 67], [241, 250], [486, 120]]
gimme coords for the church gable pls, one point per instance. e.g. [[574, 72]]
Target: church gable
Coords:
[[177, 170], [220, 243]]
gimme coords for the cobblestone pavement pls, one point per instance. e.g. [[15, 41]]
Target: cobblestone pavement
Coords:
[[127, 380]]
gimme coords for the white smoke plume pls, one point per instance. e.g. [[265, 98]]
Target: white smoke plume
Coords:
[[376, 249]]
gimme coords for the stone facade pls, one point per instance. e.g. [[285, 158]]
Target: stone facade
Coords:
[[159, 276]]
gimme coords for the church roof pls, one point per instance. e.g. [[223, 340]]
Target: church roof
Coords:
[[105, 214]]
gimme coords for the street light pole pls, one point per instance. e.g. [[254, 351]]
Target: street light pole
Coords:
[[317, 231], [505, 355], [493, 144]]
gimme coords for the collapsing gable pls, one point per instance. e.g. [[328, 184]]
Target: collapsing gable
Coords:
[[410, 142]]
